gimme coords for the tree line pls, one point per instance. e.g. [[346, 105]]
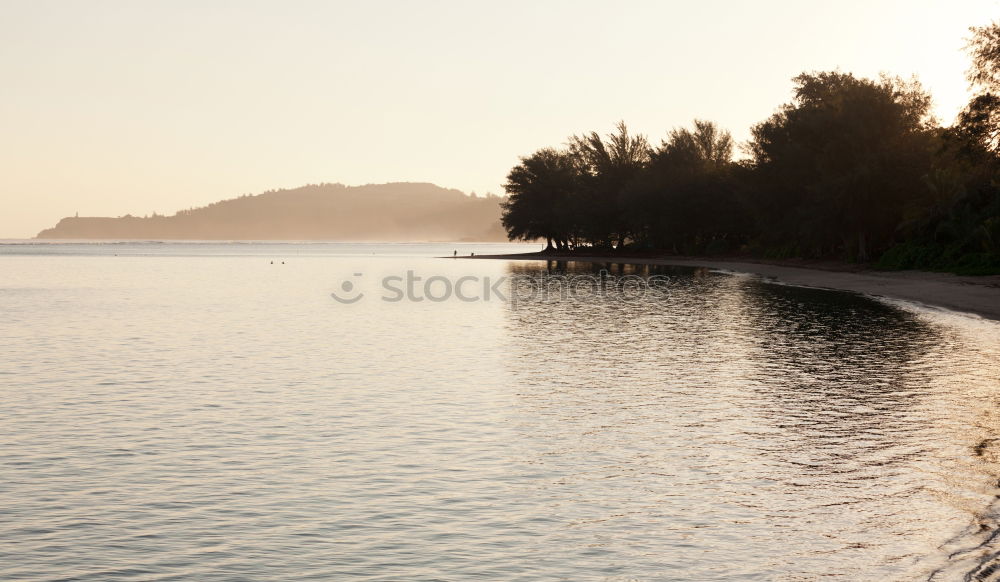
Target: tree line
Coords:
[[852, 168]]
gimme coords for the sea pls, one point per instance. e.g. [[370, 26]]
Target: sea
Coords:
[[340, 411]]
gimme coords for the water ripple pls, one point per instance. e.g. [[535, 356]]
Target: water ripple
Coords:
[[212, 418]]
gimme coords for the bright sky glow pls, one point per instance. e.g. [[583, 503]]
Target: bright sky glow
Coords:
[[115, 107]]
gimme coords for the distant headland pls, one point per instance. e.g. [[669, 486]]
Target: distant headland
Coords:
[[394, 212]]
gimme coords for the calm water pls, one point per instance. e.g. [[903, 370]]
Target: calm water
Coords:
[[205, 412]]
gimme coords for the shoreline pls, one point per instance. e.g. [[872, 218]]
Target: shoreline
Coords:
[[976, 295]]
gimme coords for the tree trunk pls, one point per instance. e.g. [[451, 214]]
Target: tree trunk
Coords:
[[862, 249], [548, 243]]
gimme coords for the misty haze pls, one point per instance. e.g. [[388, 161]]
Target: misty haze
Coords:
[[374, 212], [424, 291]]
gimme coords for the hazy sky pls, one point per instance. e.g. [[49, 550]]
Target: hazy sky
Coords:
[[115, 107]]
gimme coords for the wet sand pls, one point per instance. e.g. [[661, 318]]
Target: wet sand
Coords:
[[976, 295]]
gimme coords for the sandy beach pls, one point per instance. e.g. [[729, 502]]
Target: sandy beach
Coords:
[[975, 295]]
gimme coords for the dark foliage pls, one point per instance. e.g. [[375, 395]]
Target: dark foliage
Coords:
[[851, 168]]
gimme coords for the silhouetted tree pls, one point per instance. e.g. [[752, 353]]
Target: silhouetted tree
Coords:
[[834, 168], [980, 120], [684, 200], [851, 167], [539, 191], [605, 167], [956, 225]]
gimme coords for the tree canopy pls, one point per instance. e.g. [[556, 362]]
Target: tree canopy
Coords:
[[851, 168]]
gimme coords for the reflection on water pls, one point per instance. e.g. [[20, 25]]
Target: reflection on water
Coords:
[[211, 416], [781, 433]]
